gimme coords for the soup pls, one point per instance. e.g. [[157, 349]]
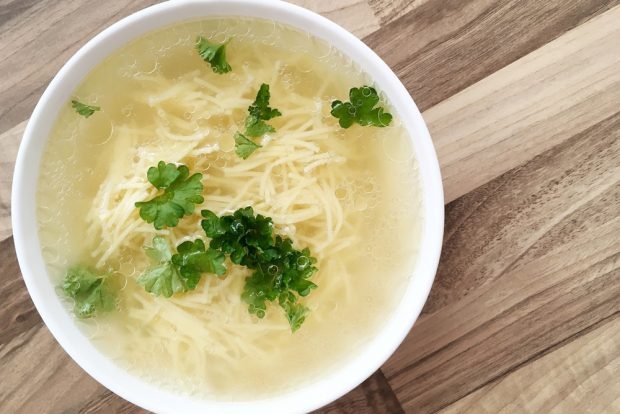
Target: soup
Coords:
[[346, 200]]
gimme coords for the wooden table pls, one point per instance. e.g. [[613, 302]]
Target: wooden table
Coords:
[[522, 98]]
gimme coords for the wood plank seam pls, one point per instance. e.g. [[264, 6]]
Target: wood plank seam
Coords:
[[600, 323]]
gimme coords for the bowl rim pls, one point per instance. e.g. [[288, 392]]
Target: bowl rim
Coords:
[[309, 396]]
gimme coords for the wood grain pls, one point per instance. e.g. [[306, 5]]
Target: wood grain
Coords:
[[529, 106], [354, 15], [18, 313], [9, 142], [522, 98], [530, 260], [390, 10], [372, 396], [444, 46], [572, 379], [39, 377]]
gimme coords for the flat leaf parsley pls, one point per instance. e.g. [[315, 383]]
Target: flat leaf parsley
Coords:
[[255, 125], [180, 272], [83, 109], [89, 290], [259, 112], [193, 259], [361, 109], [180, 193], [163, 278], [214, 54], [244, 147]]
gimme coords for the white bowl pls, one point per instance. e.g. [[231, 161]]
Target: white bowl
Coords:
[[60, 322]]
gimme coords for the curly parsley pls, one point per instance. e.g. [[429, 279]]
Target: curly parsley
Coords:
[[180, 193], [281, 272], [361, 109]]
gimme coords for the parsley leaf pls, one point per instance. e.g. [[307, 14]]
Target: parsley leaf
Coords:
[[89, 290], [361, 109], [214, 54], [83, 109], [255, 125], [181, 193], [260, 108], [242, 235], [244, 147], [259, 112], [281, 272], [179, 272], [163, 175], [295, 312], [193, 259], [279, 277], [163, 278]]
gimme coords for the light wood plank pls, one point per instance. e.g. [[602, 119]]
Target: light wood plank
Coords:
[[443, 46], [9, 142], [354, 15], [576, 378], [529, 106], [389, 10], [530, 260]]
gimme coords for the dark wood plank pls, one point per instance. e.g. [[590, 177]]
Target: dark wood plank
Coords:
[[444, 46], [576, 377], [373, 396], [108, 402], [17, 313], [530, 260]]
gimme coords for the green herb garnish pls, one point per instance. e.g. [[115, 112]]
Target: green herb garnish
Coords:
[[259, 112], [255, 125], [281, 272], [213, 53], [83, 109], [163, 278], [244, 147], [361, 109], [180, 272], [243, 236], [89, 290], [193, 260], [180, 193]]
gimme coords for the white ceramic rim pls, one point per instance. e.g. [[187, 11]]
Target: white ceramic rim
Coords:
[[60, 322]]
